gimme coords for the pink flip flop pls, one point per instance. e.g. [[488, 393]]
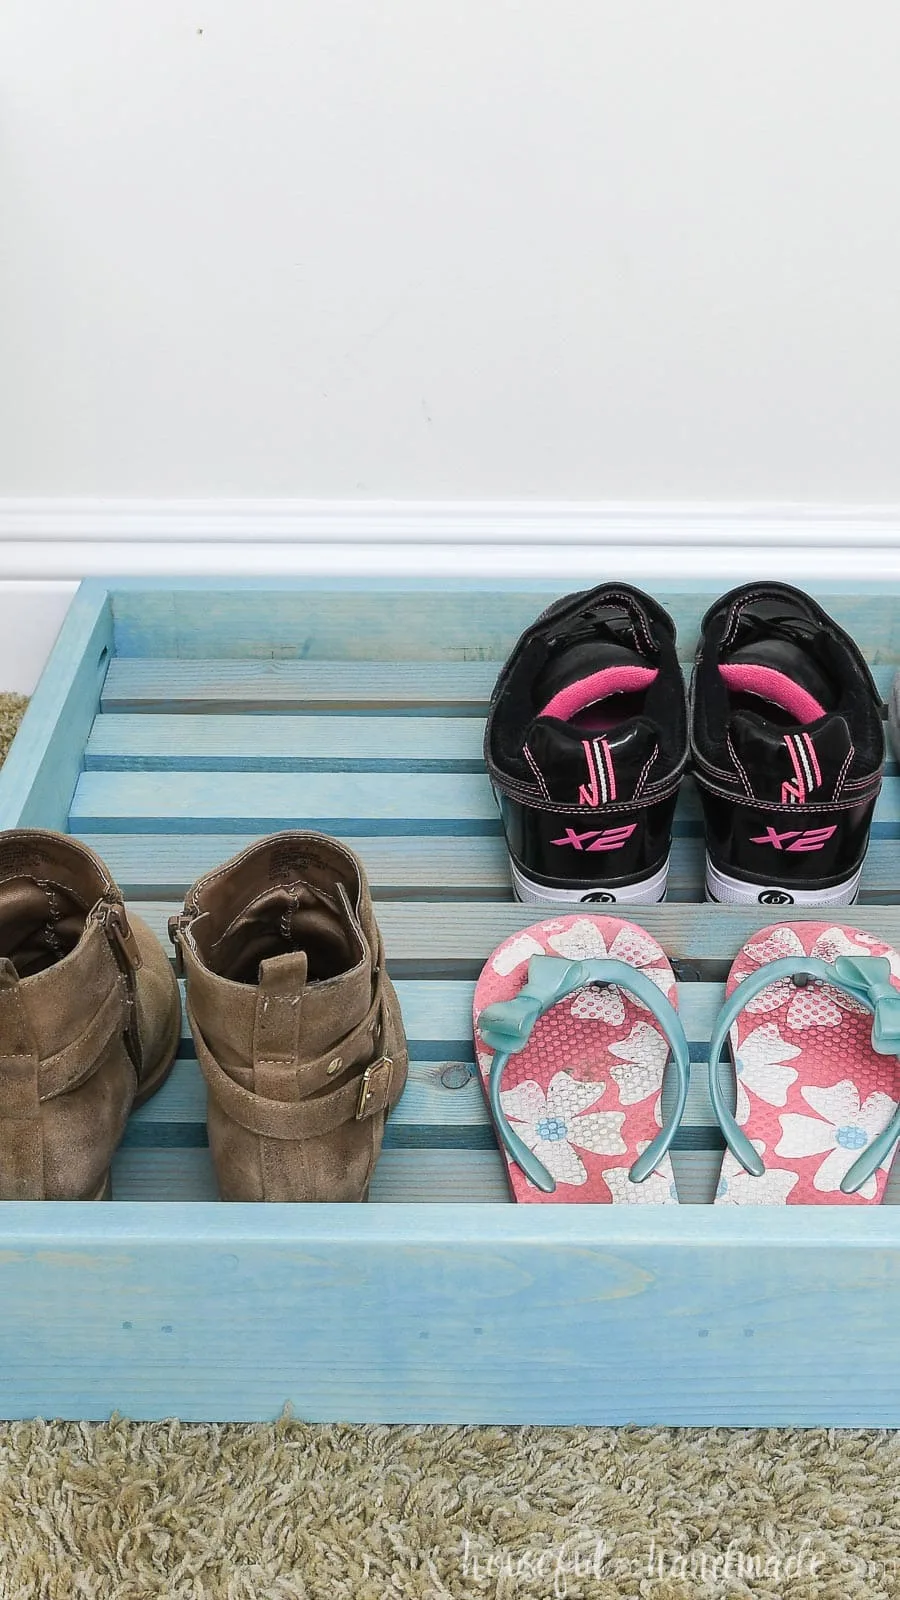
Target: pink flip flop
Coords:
[[814, 1044], [574, 1023]]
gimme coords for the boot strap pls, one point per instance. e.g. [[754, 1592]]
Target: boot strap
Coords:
[[364, 1096]]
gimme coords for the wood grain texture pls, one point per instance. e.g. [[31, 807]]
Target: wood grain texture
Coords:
[[455, 803], [428, 1313], [230, 687], [148, 742], [39, 775], [163, 865], [379, 621], [133, 742], [455, 940]]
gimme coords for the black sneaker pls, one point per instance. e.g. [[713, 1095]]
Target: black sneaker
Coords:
[[586, 742], [788, 748]]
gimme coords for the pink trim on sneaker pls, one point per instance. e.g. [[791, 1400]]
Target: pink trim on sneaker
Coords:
[[776, 687], [586, 691]]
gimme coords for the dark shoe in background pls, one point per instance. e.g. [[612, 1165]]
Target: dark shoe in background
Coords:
[[297, 1025], [586, 743], [90, 1018], [787, 747]]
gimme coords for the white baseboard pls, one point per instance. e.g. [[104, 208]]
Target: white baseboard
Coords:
[[78, 538], [47, 545]]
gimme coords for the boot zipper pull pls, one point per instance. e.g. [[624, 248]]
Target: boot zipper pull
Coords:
[[115, 923], [177, 925]]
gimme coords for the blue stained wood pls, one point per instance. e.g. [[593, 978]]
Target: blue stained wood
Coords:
[[437, 1014], [39, 775], [454, 940], [164, 865], [458, 803], [485, 1311], [229, 686], [135, 743], [262, 802], [443, 1104], [248, 686], [413, 620]]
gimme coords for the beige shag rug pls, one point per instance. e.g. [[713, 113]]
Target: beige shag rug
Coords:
[[126, 1511], [12, 707], [133, 1511]]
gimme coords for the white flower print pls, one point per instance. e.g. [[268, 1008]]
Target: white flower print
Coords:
[[815, 1004], [657, 1190], [760, 1066], [598, 1004], [511, 955], [738, 1187], [552, 1125], [646, 1052], [840, 1130], [583, 941]]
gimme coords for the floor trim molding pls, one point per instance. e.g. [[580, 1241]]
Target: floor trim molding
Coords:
[[47, 545], [66, 539]]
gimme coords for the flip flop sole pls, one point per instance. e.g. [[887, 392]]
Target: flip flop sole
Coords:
[[811, 1091], [584, 1094]]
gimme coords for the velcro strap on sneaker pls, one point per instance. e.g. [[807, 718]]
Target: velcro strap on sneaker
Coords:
[[358, 1098]]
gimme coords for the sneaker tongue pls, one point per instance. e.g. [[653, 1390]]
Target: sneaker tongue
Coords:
[[790, 766], [591, 769]]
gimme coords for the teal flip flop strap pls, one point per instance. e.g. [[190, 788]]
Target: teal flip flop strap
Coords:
[[507, 1025], [864, 978]]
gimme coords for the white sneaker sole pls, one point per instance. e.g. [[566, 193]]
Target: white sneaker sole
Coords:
[[646, 891], [727, 891]]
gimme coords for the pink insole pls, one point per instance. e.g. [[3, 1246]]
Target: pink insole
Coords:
[[776, 687], [567, 703]]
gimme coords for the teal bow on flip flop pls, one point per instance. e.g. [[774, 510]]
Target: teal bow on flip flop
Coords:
[[863, 978], [506, 1028], [868, 978]]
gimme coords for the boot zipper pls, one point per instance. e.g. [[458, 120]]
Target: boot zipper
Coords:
[[112, 918]]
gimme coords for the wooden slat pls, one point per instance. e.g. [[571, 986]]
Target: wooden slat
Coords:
[[185, 686], [261, 802], [455, 940], [415, 619], [406, 1177], [151, 866], [437, 1014], [141, 742], [458, 803], [241, 686], [133, 742], [443, 1102]]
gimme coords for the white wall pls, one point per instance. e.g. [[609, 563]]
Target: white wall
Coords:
[[628, 250]]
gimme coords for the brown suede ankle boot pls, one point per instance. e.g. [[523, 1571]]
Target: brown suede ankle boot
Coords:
[[90, 1018], [296, 1023]]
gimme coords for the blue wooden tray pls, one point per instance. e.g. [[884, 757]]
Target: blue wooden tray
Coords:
[[175, 722]]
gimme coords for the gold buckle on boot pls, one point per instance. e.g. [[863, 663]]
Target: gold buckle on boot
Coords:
[[375, 1077]]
